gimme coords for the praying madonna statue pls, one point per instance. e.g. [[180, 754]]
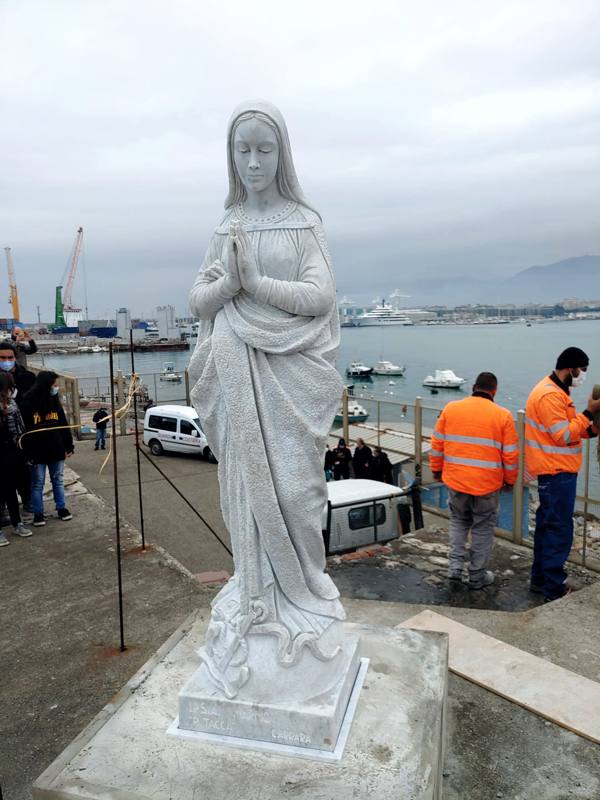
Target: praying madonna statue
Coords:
[[266, 392]]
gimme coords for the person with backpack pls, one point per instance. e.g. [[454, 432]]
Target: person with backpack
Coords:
[[11, 428], [47, 442]]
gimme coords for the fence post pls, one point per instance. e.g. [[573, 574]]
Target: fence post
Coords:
[[121, 401], [345, 427], [379, 423], [418, 437], [188, 399], [74, 385], [586, 493], [520, 482]]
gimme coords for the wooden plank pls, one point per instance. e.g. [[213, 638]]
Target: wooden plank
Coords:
[[555, 693]]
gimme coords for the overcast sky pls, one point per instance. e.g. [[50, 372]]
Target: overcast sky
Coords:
[[434, 137]]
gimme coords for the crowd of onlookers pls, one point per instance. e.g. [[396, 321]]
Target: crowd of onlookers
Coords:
[[372, 464], [35, 438]]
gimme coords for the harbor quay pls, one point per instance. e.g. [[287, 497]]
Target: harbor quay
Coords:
[[60, 632]]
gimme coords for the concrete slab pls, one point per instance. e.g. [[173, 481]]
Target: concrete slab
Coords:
[[395, 748]]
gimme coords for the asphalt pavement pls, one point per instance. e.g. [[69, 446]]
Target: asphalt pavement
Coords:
[[168, 520]]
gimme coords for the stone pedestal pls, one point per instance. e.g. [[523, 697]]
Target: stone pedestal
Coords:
[[394, 748], [312, 723]]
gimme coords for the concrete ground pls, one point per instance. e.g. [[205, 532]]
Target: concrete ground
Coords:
[[59, 641]]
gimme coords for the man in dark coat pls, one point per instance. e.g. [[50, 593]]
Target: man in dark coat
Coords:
[[341, 462], [361, 460], [381, 467]]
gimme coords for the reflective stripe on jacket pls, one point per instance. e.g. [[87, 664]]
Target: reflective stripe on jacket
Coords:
[[475, 446], [553, 430]]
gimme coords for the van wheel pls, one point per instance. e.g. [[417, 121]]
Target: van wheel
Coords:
[[208, 455], [156, 448]]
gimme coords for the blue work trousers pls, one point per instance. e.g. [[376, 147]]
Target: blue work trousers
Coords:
[[100, 438], [553, 532]]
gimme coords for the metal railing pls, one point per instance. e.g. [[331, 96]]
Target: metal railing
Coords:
[[390, 414]]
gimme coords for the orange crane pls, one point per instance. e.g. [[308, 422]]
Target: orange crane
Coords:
[[12, 285]]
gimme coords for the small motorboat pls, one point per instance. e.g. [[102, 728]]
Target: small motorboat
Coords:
[[356, 413], [444, 379], [387, 368], [359, 370], [168, 374]]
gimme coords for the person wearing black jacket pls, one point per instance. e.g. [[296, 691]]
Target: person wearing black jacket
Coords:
[[381, 467], [342, 456], [47, 442], [24, 380], [11, 428], [361, 460], [101, 419]]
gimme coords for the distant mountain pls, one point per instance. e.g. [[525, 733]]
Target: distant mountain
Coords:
[[572, 277]]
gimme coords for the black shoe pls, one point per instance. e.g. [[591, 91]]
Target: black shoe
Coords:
[[537, 588], [38, 520], [64, 514], [96, 448]]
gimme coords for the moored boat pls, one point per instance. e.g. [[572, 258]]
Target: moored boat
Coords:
[[387, 368], [358, 370], [356, 413], [444, 379]]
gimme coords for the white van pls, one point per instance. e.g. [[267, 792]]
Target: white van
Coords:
[[360, 512], [175, 428]]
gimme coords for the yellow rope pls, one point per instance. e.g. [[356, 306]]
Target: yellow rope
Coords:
[[119, 413]]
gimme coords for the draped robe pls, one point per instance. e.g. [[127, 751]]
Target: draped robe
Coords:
[[266, 392]]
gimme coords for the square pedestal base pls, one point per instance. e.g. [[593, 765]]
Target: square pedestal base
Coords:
[[314, 724], [394, 748]]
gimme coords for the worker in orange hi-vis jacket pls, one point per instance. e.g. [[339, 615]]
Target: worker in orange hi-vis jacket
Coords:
[[553, 453], [474, 451]]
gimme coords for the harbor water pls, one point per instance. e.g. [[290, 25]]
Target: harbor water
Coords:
[[518, 354]]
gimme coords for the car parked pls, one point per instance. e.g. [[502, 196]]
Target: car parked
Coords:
[[176, 429]]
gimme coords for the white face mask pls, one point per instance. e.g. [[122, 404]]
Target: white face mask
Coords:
[[580, 379]]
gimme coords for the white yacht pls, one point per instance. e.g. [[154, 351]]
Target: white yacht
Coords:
[[444, 379], [358, 370], [382, 314], [387, 368]]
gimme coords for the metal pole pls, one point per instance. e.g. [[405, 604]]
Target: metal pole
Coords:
[[586, 494], [137, 445], [345, 427], [116, 483], [379, 423], [518, 488]]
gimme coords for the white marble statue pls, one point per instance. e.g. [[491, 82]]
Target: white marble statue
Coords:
[[266, 391]]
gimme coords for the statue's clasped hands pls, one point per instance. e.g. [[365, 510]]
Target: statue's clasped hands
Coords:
[[242, 266]]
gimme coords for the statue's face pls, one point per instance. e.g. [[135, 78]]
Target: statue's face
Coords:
[[256, 154]]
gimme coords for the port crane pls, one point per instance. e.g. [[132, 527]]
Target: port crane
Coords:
[[12, 285], [64, 292]]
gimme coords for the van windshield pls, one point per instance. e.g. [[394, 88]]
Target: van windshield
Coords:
[[196, 422]]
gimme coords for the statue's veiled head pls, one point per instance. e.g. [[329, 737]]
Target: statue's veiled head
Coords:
[[259, 152]]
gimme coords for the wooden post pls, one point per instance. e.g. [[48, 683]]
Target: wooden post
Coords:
[[345, 426], [188, 399], [418, 437], [74, 386], [120, 381]]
